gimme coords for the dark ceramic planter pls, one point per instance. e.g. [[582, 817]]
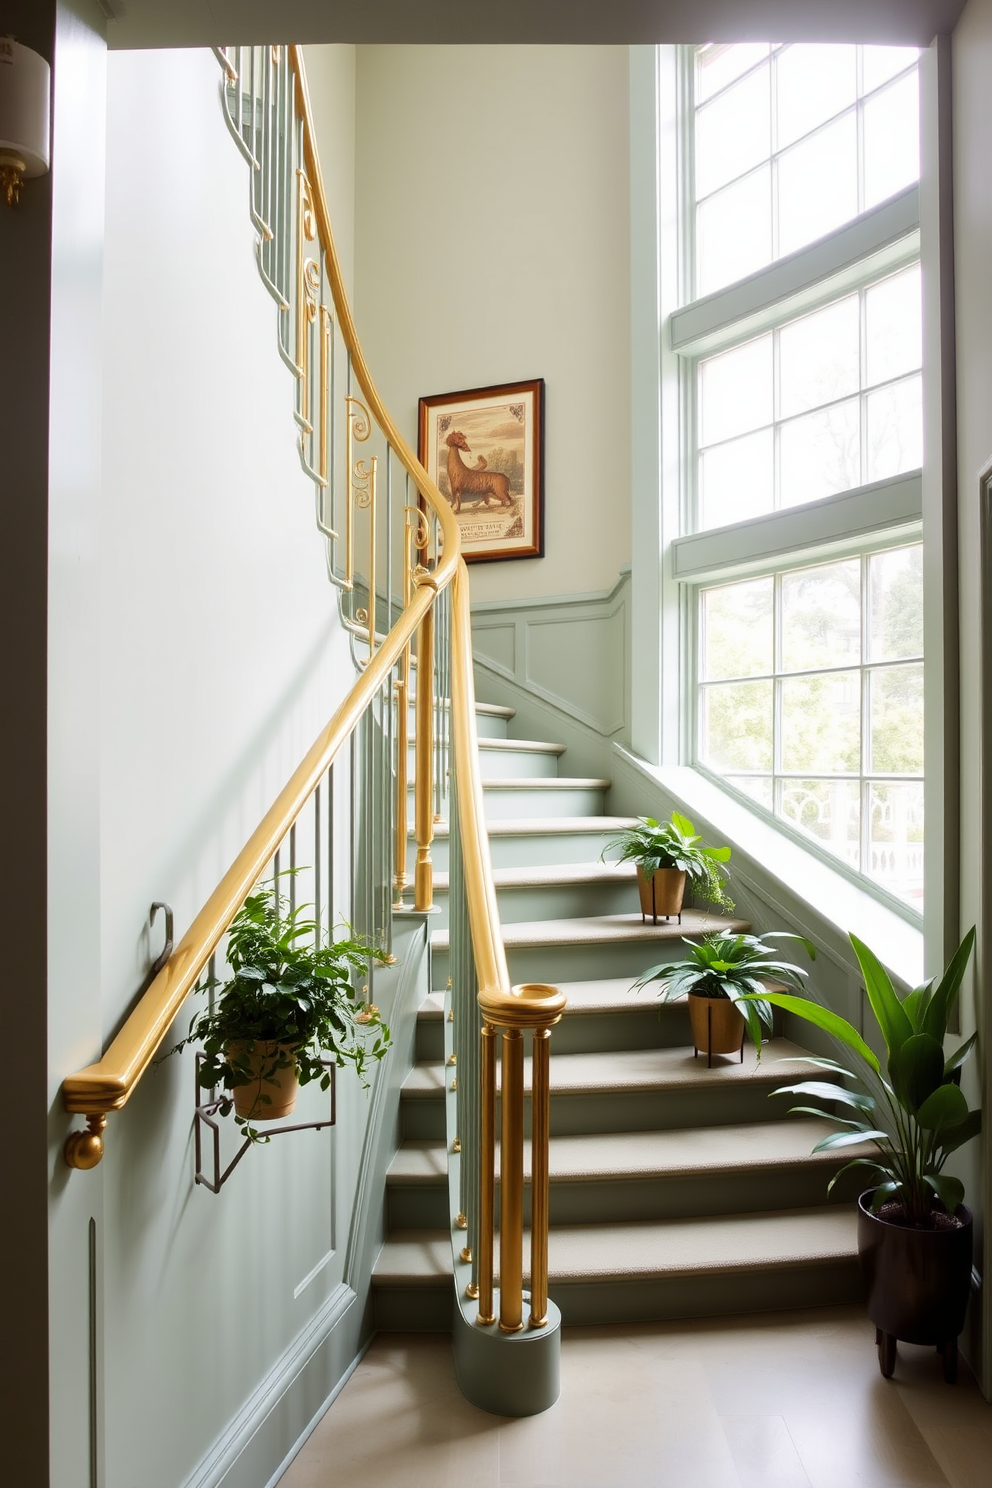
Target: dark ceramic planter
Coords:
[[917, 1284]]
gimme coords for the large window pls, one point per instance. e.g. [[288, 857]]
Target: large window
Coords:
[[800, 348]]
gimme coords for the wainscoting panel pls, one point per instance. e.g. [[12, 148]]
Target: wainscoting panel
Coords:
[[563, 663]]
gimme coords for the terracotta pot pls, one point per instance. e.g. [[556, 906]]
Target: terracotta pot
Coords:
[[717, 1026], [662, 893], [917, 1283], [280, 1085]]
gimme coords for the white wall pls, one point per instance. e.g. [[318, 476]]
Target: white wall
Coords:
[[493, 246], [192, 591], [972, 60]]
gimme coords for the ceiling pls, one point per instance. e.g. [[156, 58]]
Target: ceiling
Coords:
[[161, 23]]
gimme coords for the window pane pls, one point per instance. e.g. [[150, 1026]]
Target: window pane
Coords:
[[737, 629], [896, 839], [733, 133], [734, 231], [820, 357], [717, 65], [821, 453], [897, 721], [829, 811], [818, 185], [895, 600], [736, 726], [736, 480], [759, 787], [894, 326], [894, 429], [735, 391], [879, 63], [813, 83], [892, 140], [821, 723], [821, 617]]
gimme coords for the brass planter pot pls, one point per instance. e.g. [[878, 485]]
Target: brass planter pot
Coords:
[[279, 1085], [661, 894], [717, 1027]]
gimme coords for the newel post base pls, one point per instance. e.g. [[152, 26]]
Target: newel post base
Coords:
[[509, 1374]]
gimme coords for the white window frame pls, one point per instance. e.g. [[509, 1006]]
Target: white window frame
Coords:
[[665, 559]]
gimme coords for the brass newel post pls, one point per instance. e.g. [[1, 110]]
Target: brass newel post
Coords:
[[511, 1184], [487, 1175], [423, 882], [402, 747], [540, 1100]]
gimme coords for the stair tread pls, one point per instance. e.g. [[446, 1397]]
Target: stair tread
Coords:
[[556, 874], [641, 1069], [649, 1154], [538, 826], [495, 710], [650, 1248], [547, 782], [522, 746], [606, 929]]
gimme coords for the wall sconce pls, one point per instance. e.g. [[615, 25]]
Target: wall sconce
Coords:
[[25, 93]]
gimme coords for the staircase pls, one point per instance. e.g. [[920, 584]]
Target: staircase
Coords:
[[676, 1190]]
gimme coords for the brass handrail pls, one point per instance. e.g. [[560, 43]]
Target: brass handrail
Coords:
[[107, 1084]]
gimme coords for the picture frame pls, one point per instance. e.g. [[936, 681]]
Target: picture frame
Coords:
[[484, 448]]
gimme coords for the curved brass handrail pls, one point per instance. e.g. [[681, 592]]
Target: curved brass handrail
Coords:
[[107, 1084]]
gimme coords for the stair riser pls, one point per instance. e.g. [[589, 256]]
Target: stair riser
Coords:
[[513, 802], [422, 1117], [572, 963], [777, 1289], [430, 1040], [552, 902], [689, 1196], [526, 850], [506, 764], [576, 1113]]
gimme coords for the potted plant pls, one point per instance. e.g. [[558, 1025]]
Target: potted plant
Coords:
[[724, 979], [288, 1004], [667, 854], [914, 1231]]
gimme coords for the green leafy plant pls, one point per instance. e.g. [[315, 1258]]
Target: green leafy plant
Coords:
[[290, 987], [675, 844], [731, 966], [914, 1113]]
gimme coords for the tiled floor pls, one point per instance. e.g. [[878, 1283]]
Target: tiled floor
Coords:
[[792, 1400]]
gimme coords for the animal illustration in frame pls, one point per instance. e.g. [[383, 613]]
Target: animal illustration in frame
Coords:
[[485, 449]]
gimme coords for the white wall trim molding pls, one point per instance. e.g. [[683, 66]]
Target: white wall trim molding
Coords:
[[234, 1459]]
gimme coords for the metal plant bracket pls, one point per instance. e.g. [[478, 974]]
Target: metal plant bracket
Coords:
[[206, 1115]]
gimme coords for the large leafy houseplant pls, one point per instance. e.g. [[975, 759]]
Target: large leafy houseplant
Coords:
[[913, 1112], [289, 1002], [675, 844], [734, 967]]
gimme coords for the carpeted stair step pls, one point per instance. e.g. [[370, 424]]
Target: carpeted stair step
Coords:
[[605, 945], [631, 1090], [647, 1174], [553, 891], [532, 840], [648, 1269]]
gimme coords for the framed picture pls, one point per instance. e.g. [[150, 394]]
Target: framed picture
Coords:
[[485, 450]]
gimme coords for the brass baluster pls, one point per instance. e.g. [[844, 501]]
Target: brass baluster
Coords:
[[487, 1176]]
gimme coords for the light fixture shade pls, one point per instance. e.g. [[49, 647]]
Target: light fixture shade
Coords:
[[25, 80]]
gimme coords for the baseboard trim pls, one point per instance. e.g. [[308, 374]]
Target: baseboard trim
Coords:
[[237, 1455], [321, 1411]]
